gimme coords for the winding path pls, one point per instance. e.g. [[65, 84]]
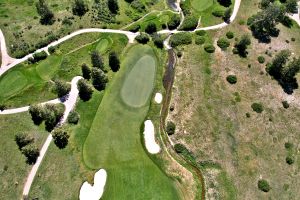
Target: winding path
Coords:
[[69, 105]]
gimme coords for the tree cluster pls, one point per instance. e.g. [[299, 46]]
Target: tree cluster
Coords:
[[285, 70], [26, 145], [241, 46], [47, 16]]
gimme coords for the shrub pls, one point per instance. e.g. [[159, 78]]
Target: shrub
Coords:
[[288, 145], [223, 43], [180, 148], [225, 3], [151, 28], [257, 107], [230, 35], [39, 56], [289, 160], [170, 129], [248, 115], [174, 22], [51, 49], [199, 40], [218, 12], [231, 79], [158, 41], [285, 104], [190, 23], [209, 48], [180, 39], [79, 8], [261, 59], [73, 117], [135, 28], [263, 185], [23, 139], [2, 107], [142, 38], [201, 32]]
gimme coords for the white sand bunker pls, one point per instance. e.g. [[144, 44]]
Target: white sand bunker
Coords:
[[89, 192], [158, 98], [151, 144]]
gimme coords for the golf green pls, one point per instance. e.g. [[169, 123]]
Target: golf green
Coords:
[[201, 5], [138, 85], [104, 44], [12, 83], [114, 141]]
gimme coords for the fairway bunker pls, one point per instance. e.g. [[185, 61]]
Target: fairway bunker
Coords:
[[149, 136], [138, 84]]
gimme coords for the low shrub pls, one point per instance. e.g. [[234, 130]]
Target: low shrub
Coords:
[[257, 107], [223, 43], [51, 49], [209, 48], [190, 23], [170, 129], [261, 59], [288, 145], [285, 104], [199, 40], [180, 148], [73, 117], [230, 35], [263, 185], [201, 32], [39, 56], [142, 38], [289, 160], [180, 39], [231, 79], [248, 115]]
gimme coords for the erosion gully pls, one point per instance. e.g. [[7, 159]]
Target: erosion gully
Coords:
[[168, 81]]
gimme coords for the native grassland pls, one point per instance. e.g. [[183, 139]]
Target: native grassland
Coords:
[[235, 146]]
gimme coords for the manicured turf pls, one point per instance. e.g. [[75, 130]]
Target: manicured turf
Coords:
[[139, 82], [47, 68], [12, 83], [201, 5], [114, 143], [104, 44]]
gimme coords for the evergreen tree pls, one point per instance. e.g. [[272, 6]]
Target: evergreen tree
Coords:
[[86, 71], [113, 6], [85, 90], [79, 8], [151, 28], [114, 61], [97, 60], [47, 16], [99, 79], [225, 3], [242, 45]]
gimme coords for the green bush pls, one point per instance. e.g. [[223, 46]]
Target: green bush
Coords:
[[289, 160], [190, 23], [199, 40], [288, 145], [248, 115], [158, 41], [174, 22], [73, 117], [170, 129], [263, 185], [51, 49], [218, 12], [257, 107], [230, 35], [39, 56], [151, 28], [142, 38], [223, 43], [135, 28], [180, 39], [180, 148], [261, 59], [201, 32], [209, 48], [231, 79]]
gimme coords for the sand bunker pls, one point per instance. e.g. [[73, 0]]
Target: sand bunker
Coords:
[[89, 192], [158, 98], [150, 142]]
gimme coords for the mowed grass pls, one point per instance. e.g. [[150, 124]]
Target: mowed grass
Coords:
[[13, 167], [31, 83], [138, 84], [114, 143], [201, 5]]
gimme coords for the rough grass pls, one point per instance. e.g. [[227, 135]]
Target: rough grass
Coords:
[[212, 122], [13, 177], [114, 143]]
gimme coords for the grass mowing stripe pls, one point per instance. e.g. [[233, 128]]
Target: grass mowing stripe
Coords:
[[114, 142]]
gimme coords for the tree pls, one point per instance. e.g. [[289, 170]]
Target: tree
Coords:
[[73, 117], [223, 43], [114, 61], [23, 139], [52, 115], [231, 79], [79, 8], [174, 22], [99, 79], [113, 6], [225, 3], [151, 28], [158, 41], [190, 23], [97, 60], [277, 64], [31, 152], [60, 137], [37, 113], [257, 107], [47, 16], [142, 38], [242, 45], [61, 88], [85, 90], [86, 71], [227, 15], [291, 6], [170, 129]]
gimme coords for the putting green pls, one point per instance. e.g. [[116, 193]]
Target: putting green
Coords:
[[138, 85], [12, 83], [201, 5], [114, 139], [104, 44]]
